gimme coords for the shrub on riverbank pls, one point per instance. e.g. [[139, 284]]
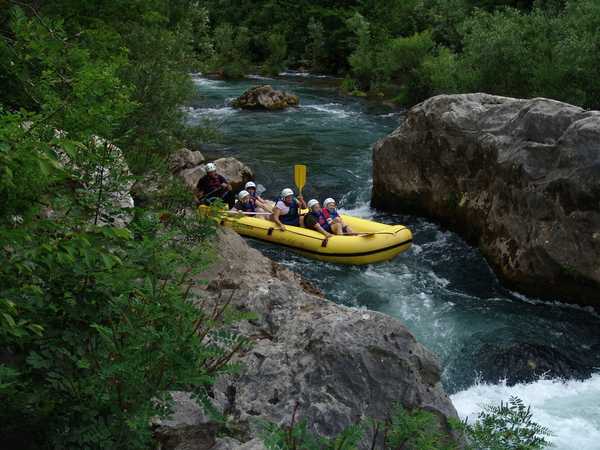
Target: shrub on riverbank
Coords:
[[498, 427], [96, 318], [410, 50]]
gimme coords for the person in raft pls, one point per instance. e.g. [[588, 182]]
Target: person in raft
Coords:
[[256, 199], [244, 204], [213, 186], [334, 219], [287, 210], [316, 220]]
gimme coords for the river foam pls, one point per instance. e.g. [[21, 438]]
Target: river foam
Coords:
[[329, 108], [570, 409]]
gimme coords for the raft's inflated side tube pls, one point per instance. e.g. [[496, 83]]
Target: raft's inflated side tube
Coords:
[[390, 241]]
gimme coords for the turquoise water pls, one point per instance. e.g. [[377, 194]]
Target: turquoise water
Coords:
[[442, 289]]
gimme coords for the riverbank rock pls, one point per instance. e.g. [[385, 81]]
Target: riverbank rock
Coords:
[[333, 363], [188, 428], [265, 97], [185, 158], [518, 178], [236, 172]]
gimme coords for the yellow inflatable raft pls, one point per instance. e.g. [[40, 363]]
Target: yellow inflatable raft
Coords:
[[380, 242]]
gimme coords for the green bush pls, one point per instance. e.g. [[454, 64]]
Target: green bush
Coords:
[[231, 51], [440, 72], [97, 323], [315, 48], [507, 426], [522, 48], [277, 51], [547, 52], [362, 59], [103, 327]]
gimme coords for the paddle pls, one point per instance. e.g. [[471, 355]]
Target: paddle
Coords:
[[378, 232], [210, 193], [249, 213], [300, 177]]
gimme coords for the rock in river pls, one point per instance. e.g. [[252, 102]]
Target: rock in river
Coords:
[[337, 364], [519, 178], [236, 172], [265, 97]]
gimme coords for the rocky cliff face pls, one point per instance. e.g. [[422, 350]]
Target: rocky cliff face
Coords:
[[519, 178], [337, 364]]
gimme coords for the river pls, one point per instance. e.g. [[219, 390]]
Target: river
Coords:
[[485, 336]]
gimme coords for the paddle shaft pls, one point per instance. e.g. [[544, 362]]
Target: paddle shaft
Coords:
[[220, 188], [249, 213]]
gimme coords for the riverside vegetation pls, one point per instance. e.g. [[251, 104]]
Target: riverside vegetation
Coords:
[[97, 323], [409, 50]]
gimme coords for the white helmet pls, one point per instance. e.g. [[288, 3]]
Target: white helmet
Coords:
[[210, 167], [287, 192], [243, 194], [328, 201], [250, 184], [312, 203]]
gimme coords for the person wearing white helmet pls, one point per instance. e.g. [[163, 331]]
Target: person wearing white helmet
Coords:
[[256, 199], [334, 219], [316, 220], [287, 210], [244, 204], [213, 186]]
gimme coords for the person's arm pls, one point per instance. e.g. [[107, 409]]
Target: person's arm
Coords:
[[276, 212], [200, 189], [224, 183], [262, 204], [302, 202], [320, 229]]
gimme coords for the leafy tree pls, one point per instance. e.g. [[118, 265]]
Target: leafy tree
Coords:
[[277, 51], [576, 56], [400, 59], [97, 321], [362, 58], [315, 49], [231, 51]]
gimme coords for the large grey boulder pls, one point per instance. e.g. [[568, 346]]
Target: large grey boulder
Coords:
[[338, 364], [519, 178], [265, 97], [332, 364], [185, 158]]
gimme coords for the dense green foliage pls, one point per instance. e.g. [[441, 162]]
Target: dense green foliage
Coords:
[[97, 314], [411, 49], [503, 427]]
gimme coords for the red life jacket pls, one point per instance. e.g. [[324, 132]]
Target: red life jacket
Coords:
[[327, 215], [322, 219]]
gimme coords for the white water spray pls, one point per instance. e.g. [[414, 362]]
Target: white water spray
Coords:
[[570, 409]]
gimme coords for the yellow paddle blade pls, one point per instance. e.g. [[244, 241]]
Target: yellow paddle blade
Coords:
[[300, 176]]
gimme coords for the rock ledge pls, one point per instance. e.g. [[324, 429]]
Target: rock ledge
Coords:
[[338, 364], [518, 178]]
